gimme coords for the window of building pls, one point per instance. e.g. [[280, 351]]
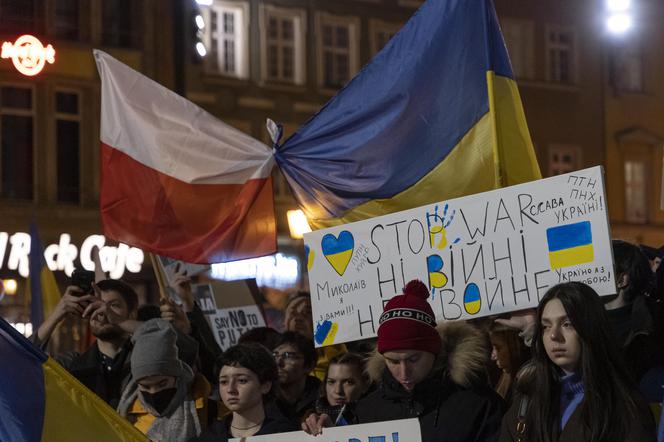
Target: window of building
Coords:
[[16, 142], [17, 16], [636, 203], [117, 23], [560, 55], [66, 19], [67, 135], [283, 44], [380, 32], [227, 38], [563, 159], [628, 68], [519, 37], [338, 49]]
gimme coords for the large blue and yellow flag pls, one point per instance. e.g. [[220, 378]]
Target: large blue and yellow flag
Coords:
[[435, 115], [43, 288], [40, 401]]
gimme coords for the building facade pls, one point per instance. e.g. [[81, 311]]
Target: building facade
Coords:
[[49, 129], [590, 97]]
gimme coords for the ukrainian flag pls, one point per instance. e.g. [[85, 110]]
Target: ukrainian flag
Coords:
[[435, 115], [40, 401], [570, 244], [43, 288]]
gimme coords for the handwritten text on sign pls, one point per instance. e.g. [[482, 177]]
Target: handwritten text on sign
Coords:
[[227, 324], [484, 254], [404, 430]]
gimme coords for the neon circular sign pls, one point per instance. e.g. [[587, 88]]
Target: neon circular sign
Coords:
[[28, 54]]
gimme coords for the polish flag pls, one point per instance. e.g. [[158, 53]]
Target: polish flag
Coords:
[[175, 180]]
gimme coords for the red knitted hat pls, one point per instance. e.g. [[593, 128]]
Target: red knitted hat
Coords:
[[408, 322]]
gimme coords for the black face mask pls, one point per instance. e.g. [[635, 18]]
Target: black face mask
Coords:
[[159, 400]]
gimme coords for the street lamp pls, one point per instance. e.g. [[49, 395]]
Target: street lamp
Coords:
[[297, 224], [619, 23], [619, 18]]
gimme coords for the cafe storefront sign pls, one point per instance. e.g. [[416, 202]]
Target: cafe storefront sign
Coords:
[[15, 250]]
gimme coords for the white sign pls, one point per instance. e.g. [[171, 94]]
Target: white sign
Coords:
[[170, 266], [61, 256], [403, 430], [227, 324], [480, 255]]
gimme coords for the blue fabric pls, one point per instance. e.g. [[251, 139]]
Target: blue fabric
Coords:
[[402, 114], [36, 262], [571, 395], [22, 394]]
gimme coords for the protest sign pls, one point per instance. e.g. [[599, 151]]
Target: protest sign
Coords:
[[404, 430], [170, 266], [480, 255], [228, 323]]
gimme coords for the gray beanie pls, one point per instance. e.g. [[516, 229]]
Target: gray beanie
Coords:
[[155, 352]]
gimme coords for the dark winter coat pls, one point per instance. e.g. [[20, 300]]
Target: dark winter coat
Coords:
[[455, 404], [639, 334], [641, 430], [88, 369], [274, 422], [306, 402]]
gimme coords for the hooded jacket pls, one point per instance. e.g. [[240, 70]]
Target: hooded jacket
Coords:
[[454, 404]]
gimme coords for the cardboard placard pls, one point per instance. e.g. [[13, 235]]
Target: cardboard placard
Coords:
[[230, 308], [403, 430], [479, 255]]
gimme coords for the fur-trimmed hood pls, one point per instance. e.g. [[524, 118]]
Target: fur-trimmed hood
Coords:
[[464, 355]]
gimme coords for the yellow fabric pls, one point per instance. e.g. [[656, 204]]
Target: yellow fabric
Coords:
[[494, 153], [572, 256], [656, 408], [324, 356], [50, 291], [200, 390], [74, 413]]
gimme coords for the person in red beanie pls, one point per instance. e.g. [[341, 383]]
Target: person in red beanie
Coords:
[[435, 373]]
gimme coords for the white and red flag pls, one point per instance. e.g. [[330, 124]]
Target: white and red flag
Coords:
[[175, 180]]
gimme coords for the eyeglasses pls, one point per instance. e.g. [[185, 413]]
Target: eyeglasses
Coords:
[[287, 356]]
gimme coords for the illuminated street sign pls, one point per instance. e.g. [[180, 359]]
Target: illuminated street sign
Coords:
[[28, 54]]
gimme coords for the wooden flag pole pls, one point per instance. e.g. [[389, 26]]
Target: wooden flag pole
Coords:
[[158, 273]]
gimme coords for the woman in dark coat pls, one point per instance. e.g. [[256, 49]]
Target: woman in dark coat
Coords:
[[577, 387], [247, 379]]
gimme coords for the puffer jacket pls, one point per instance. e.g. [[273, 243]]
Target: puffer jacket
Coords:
[[454, 404]]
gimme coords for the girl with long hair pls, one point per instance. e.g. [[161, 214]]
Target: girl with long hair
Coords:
[[576, 388], [345, 383]]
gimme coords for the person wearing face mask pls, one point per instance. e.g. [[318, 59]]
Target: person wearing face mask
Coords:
[[577, 387], [437, 375], [247, 381], [164, 399]]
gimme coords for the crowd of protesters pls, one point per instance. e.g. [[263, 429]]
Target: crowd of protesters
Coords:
[[576, 368]]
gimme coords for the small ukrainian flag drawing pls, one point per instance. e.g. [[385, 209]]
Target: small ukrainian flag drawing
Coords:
[[570, 244]]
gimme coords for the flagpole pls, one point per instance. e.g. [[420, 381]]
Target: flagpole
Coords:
[[161, 280], [497, 160]]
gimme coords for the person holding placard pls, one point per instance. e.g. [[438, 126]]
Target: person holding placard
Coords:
[[344, 384], [435, 374], [577, 387], [247, 383]]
